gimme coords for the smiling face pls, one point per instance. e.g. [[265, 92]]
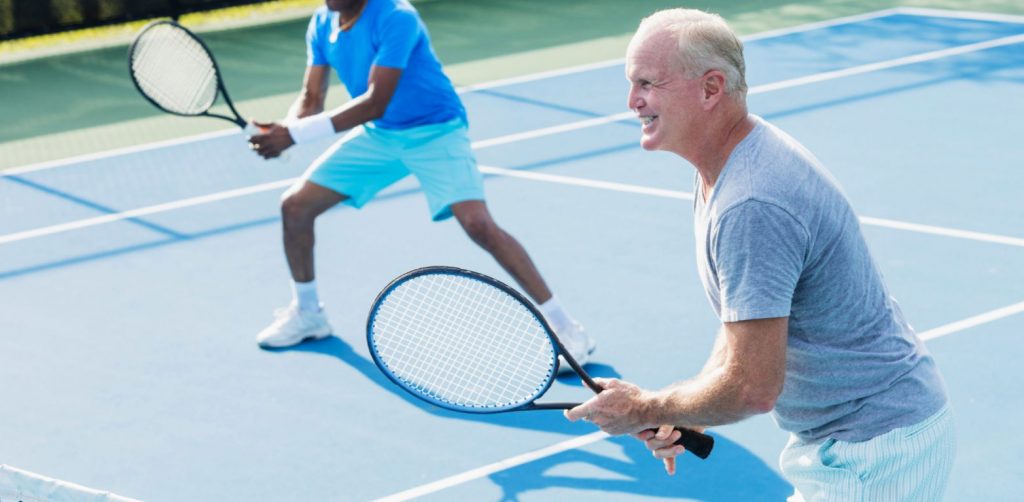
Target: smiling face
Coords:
[[666, 100]]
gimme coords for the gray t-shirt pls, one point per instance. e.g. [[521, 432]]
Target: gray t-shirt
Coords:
[[778, 238]]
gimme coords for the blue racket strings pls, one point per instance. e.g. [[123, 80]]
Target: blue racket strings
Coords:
[[462, 343]]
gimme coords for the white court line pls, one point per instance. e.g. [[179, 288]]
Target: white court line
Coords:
[[502, 465], [959, 14], [509, 81], [594, 437], [673, 194], [556, 130], [547, 131], [497, 171], [892, 63], [971, 322], [143, 211]]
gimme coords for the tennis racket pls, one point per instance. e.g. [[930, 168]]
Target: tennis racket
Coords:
[[173, 69], [467, 342]]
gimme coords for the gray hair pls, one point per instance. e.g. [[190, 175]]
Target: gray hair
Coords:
[[705, 43]]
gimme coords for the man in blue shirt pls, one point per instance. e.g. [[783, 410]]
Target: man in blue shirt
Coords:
[[404, 117], [809, 331]]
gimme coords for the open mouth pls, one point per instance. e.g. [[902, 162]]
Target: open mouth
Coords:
[[647, 119]]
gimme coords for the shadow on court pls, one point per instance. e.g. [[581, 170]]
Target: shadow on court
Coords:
[[640, 474], [541, 420], [731, 473]]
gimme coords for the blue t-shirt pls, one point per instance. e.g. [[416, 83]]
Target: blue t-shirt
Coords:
[[778, 238], [388, 33]]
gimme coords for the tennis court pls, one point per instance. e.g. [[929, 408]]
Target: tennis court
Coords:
[[133, 282]]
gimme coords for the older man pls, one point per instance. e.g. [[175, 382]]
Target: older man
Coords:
[[809, 331]]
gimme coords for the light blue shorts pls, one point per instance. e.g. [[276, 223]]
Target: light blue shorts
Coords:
[[369, 159], [908, 464]]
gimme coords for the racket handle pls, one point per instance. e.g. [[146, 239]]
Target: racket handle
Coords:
[[695, 442]]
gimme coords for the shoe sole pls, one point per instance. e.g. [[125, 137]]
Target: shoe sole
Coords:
[[309, 338]]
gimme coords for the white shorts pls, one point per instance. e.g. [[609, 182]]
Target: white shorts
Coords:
[[907, 464]]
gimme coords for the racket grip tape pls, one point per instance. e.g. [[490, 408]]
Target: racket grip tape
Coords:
[[695, 442]]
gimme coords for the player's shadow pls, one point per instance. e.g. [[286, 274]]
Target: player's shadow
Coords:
[[731, 473], [545, 420]]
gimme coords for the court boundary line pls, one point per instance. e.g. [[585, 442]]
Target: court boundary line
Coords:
[[807, 79], [577, 442], [70, 161], [494, 171]]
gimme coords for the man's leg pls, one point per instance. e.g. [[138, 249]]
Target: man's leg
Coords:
[[477, 222], [300, 206], [303, 319], [480, 227]]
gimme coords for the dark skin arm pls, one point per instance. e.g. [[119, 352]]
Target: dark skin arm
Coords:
[[368, 106]]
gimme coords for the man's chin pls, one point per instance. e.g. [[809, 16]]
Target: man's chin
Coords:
[[648, 143]]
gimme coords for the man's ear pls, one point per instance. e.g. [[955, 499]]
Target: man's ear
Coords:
[[713, 88]]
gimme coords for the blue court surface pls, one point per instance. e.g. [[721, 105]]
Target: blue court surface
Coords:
[[134, 282]]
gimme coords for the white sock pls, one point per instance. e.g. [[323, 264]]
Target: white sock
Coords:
[[304, 295], [557, 317]]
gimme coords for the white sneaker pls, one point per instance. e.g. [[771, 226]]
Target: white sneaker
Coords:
[[293, 326], [579, 345]]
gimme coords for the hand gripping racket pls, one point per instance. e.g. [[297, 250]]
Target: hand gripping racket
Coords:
[[466, 342]]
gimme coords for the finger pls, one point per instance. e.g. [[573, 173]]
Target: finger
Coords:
[[669, 451], [664, 432], [644, 435], [656, 444], [670, 465], [577, 413]]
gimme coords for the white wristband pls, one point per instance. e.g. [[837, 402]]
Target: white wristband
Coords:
[[311, 128]]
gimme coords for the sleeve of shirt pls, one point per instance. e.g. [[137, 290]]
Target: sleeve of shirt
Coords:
[[759, 252], [399, 34], [314, 51]]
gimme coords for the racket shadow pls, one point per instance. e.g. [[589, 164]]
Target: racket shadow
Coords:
[[641, 474], [549, 421]]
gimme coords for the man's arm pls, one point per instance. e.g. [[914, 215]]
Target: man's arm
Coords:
[[743, 377], [313, 96], [371, 104], [361, 109]]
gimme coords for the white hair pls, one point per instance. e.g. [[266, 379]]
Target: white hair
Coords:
[[705, 42]]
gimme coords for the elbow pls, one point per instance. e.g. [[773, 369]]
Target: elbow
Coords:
[[376, 110], [757, 400], [372, 106]]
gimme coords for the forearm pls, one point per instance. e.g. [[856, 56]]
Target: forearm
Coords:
[[711, 398], [720, 394], [356, 112], [305, 105]]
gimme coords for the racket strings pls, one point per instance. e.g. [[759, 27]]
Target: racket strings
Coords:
[[175, 70], [463, 342]]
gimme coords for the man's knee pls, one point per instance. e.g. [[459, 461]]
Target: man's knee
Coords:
[[482, 230], [295, 211]]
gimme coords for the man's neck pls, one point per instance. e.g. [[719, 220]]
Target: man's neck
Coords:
[[347, 17], [718, 146]]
